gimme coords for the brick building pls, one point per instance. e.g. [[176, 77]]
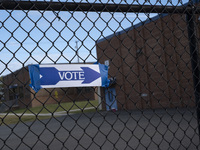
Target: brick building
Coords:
[[151, 63], [18, 91]]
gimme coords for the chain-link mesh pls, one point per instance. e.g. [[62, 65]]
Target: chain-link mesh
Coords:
[[151, 48]]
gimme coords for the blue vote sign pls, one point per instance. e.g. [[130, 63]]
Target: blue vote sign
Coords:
[[68, 75]]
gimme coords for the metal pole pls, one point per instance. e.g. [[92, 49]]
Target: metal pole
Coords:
[[77, 51], [194, 62], [92, 7], [99, 98]]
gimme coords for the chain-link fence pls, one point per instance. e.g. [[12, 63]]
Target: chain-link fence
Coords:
[[151, 49]]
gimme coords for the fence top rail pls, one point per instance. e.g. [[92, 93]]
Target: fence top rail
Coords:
[[95, 7]]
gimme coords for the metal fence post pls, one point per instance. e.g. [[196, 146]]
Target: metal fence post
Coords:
[[194, 62]]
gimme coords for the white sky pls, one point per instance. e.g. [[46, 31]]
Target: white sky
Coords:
[[50, 40]]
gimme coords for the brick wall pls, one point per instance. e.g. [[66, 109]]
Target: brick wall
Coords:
[[19, 78], [53, 96], [151, 64]]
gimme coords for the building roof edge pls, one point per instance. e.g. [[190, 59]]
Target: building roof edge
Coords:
[[138, 24]]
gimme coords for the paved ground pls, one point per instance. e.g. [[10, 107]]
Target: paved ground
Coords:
[[159, 129]]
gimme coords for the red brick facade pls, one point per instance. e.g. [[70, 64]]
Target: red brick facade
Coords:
[[151, 63]]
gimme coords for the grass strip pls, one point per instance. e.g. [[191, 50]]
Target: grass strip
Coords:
[[13, 117]]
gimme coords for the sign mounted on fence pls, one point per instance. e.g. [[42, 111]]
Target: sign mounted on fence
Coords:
[[68, 75]]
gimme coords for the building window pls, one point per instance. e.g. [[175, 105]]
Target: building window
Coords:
[[15, 92], [88, 89], [84, 90]]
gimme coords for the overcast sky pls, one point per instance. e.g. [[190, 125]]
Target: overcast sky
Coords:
[[32, 37]]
